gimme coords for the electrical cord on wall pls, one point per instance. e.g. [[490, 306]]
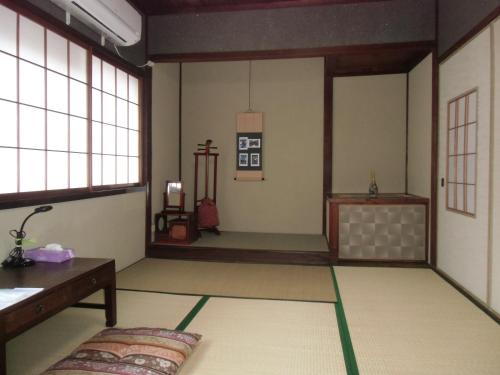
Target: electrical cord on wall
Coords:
[[148, 63]]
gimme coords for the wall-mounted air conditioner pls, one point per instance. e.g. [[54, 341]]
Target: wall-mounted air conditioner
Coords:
[[117, 20]]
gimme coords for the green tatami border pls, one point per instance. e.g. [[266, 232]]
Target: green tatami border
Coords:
[[222, 296], [345, 338], [190, 316]]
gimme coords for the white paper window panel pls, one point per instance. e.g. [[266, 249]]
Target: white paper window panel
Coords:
[[96, 72], [121, 84], [461, 111], [57, 92], [8, 170], [451, 195], [108, 139], [472, 138], [121, 141], [31, 84], [472, 112], [77, 62], [8, 30], [133, 116], [108, 78], [77, 170], [460, 197], [133, 89], [31, 41], [57, 53], [133, 170], [32, 170], [471, 199], [96, 170], [31, 127], [451, 141], [57, 170], [109, 109], [77, 98], [122, 113], [460, 169], [461, 140], [8, 124], [8, 77], [452, 169], [57, 131], [108, 170], [96, 137], [96, 105], [471, 169], [133, 143], [121, 169], [452, 114], [78, 134]]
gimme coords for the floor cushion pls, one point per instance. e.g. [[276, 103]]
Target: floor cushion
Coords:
[[135, 351]]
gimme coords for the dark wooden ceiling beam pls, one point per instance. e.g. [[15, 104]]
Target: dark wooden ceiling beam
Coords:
[[159, 7]]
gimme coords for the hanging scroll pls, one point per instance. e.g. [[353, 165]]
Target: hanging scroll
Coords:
[[249, 146]]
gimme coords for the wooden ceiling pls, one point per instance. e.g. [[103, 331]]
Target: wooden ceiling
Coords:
[[157, 7]]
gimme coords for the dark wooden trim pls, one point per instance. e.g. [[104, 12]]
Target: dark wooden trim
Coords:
[[57, 196], [157, 250], [148, 149], [488, 311], [47, 20], [157, 8], [434, 160], [471, 34], [327, 135], [381, 263], [180, 122], [407, 128], [291, 53]]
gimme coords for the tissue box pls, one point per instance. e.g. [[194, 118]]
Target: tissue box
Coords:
[[53, 256]]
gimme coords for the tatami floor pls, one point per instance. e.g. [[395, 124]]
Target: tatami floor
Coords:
[[385, 321]]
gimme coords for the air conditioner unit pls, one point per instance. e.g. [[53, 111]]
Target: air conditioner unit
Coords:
[[117, 20]]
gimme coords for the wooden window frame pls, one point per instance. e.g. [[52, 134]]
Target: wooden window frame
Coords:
[[48, 22], [457, 153]]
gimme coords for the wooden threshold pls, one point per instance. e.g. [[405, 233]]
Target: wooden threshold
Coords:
[[212, 254]]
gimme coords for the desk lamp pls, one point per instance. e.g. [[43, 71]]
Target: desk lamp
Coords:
[[16, 258]]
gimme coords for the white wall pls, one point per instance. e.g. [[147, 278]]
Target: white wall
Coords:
[[462, 240], [420, 128], [290, 93], [107, 227], [165, 131], [369, 133]]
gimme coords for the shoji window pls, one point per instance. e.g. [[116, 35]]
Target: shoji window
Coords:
[[462, 153], [51, 117], [115, 125], [43, 108]]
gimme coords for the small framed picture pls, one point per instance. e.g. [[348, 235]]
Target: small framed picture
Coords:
[[243, 160], [255, 160], [243, 143], [254, 143]]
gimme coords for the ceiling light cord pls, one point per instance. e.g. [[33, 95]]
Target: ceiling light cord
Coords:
[[249, 85]]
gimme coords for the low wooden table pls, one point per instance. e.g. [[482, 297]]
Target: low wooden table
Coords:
[[64, 285]]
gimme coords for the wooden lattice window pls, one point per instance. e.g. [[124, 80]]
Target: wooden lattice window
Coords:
[[462, 153]]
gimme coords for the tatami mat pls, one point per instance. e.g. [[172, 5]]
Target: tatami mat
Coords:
[[264, 241], [410, 321], [41, 346], [260, 337], [309, 283]]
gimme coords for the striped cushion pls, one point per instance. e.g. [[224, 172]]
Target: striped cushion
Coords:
[[133, 351]]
